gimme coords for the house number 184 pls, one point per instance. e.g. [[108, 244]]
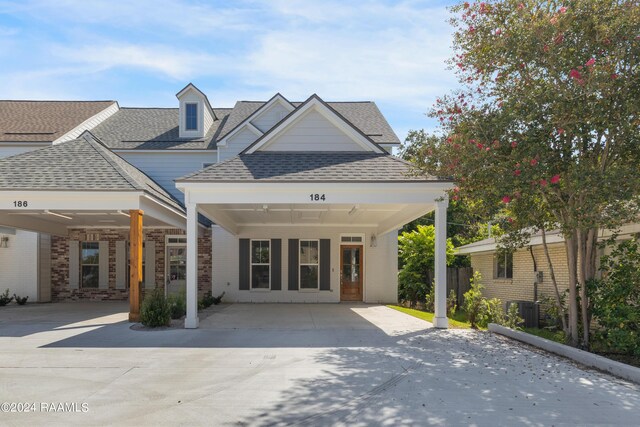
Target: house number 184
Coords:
[[315, 197]]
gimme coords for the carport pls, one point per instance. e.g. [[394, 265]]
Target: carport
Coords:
[[82, 184], [369, 193]]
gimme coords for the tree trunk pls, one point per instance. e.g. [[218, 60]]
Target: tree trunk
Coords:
[[552, 274], [571, 248], [587, 256]]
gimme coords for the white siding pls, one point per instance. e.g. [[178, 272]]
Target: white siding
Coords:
[[88, 124], [165, 167], [237, 143], [312, 132], [12, 150], [191, 97], [19, 265], [208, 120], [380, 265], [265, 120]]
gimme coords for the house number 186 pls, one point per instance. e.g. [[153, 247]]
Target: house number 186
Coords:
[[315, 197], [20, 203]]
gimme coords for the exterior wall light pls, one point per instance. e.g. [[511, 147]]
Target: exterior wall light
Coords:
[[4, 242]]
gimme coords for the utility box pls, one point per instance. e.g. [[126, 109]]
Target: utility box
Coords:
[[529, 311], [539, 277]]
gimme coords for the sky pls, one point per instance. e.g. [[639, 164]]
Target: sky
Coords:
[[141, 53]]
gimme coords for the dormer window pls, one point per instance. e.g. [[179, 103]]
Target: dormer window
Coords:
[[191, 116]]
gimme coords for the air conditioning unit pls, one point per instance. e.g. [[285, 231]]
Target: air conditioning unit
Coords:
[[529, 311]]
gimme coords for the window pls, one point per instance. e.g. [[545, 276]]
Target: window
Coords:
[[309, 265], [89, 264], [191, 116], [504, 265], [260, 264], [144, 270]]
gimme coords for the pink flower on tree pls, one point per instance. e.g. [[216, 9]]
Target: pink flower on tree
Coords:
[[514, 144], [562, 9], [534, 162], [555, 179], [506, 199], [543, 182], [517, 172], [590, 62]]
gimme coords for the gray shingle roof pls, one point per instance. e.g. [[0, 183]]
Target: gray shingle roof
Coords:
[[152, 129], [266, 166], [240, 112], [78, 165], [44, 121]]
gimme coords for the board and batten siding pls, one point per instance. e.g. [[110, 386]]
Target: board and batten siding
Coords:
[[167, 166], [380, 264], [265, 120], [238, 142], [312, 132]]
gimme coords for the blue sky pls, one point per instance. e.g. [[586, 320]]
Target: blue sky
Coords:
[[141, 53]]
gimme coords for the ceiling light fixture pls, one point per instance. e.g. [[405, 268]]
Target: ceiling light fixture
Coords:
[[56, 214]]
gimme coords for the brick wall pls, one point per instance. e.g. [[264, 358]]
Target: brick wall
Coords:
[[521, 286], [60, 263]]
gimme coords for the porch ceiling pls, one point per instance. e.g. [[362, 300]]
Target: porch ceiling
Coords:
[[383, 217]]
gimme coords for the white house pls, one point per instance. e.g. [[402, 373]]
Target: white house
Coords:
[[273, 201]]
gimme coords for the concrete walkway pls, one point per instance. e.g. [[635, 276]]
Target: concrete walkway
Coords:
[[290, 365]]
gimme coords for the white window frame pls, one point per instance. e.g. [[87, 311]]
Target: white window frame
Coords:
[[496, 270], [251, 264], [301, 264], [186, 118]]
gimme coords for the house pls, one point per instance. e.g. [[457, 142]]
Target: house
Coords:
[[271, 201], [524, 274]]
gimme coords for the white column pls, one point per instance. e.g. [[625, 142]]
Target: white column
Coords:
[[191, 321], [440, 319]]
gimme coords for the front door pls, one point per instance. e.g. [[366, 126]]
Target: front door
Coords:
[[176, 269], [351, 272]]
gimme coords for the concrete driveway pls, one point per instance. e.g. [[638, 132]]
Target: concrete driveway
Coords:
[[289, 365]]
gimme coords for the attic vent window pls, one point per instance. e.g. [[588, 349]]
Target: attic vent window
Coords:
[[191, 116]]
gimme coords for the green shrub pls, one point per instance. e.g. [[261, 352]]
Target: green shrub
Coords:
[[416, 251], [5, 298], [206, 301], [474, 302], [512, 319], [20, 300], [452, 303], [615, 300], [430, 301], [178, 304], [155, 310], [492, 312]]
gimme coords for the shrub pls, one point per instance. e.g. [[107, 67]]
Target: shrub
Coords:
[[430, 301], [416, 250], [474, 302], [452, 303], [512, 319], [177, 304], [20, 300], [551, 315], [155, 310], [615, 300], [5, 298], [492, 312], [207, 300]]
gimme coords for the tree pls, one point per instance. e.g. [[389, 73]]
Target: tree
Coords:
[[416, 251], [544, 130]]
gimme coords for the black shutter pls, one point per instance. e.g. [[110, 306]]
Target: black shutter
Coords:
[[276, 264], [325, 264], [243, 274], [293, 264]]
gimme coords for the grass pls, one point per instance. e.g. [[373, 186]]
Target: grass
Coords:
[[557, 336], [458, 321]]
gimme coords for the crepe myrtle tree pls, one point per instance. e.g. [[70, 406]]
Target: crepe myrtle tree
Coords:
[[544, 128]]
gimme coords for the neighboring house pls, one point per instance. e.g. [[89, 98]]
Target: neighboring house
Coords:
[[272, 201], [27, 126], [523, 275]]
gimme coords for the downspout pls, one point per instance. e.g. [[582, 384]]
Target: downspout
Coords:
[[535, 280]]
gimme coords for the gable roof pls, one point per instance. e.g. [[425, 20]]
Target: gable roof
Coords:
[[191, 86], [305, 166], [82, 164], [44, 121], [239, 122], [313, 101], [152, 129]]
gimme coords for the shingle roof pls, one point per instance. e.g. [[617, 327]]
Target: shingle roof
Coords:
[[77, 165], [152, 129], [364, 115], [44, 121], [263, 166]]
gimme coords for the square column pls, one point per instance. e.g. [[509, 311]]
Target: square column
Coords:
[[135, 263], [440, 318], [191, 321]]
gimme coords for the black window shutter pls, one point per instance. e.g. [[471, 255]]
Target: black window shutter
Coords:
[[243, 276], [293, 264], [325, 264], [276, 264]]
